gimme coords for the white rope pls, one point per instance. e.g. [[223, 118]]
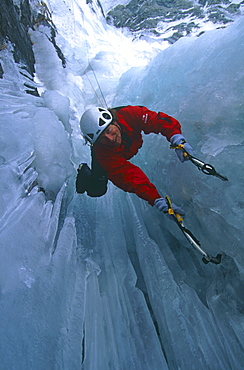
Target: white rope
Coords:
[[90, 66]]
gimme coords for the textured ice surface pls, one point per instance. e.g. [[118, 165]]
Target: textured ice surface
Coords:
[[110, 283]]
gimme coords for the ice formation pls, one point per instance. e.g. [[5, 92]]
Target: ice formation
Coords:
[[110, 283]]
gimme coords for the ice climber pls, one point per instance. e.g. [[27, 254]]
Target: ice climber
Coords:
[[115, 137]]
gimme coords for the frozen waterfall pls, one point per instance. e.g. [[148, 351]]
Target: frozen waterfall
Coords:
[[110, 283]]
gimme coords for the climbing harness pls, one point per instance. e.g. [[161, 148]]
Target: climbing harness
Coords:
[[208, 169], [190, 237]]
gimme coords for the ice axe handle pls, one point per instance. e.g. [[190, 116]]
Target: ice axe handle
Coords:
[[206, 168], [177, 216]]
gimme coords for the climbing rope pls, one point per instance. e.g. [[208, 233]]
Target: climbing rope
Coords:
[[104, 103]]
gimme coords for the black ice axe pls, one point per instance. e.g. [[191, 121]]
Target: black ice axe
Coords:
[[190, 237], [206, 168]]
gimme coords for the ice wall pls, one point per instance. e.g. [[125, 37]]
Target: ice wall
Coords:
[[110, 283], [200, 82]]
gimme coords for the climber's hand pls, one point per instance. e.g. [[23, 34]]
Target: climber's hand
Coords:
[[162, 205], [178, 139]]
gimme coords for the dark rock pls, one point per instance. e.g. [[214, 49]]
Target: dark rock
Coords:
[[13, 30], [1, 71], [90, 2], [144, 15], [14, 25], [57, 48], [44, 18]]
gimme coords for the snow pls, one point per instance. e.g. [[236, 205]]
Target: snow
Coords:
[[107, 5], [110, 283]]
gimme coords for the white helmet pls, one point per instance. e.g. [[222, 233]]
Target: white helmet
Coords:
[[93, 122]]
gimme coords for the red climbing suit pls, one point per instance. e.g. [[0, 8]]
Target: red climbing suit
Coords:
[[122, 173]]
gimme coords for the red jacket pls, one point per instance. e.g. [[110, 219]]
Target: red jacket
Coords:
[[122, 173]]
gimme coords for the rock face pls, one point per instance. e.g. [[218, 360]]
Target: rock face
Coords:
[[14, 24], [175, 18], [15, 21]]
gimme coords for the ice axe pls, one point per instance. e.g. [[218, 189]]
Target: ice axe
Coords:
[[206, 168], [190, 237]]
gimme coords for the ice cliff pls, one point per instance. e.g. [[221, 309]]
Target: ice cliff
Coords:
[[110, 283]]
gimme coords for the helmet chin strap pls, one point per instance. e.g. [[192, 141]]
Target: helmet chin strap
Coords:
[[115, 123]]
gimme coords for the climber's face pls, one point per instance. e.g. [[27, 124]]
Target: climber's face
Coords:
[[111, 136]]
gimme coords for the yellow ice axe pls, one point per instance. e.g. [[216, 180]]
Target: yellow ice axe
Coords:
[[206, 168], [190, 237]]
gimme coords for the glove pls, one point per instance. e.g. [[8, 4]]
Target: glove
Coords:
[[162, 205], [177, 140]]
